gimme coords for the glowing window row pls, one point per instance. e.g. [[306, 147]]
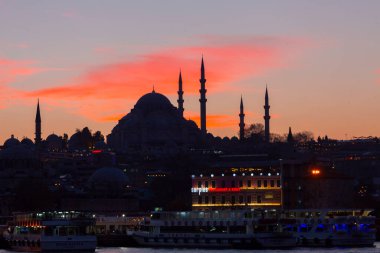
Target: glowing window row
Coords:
[[240, 183]]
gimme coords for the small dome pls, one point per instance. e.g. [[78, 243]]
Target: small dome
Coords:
[[53, 138], [153, 101], [27, 142], [11, 142]]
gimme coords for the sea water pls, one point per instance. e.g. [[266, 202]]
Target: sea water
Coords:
[[174, 250]]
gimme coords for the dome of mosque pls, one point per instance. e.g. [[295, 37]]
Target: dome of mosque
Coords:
[[153, 101], [11, 142], [153, 125], [28, 142]]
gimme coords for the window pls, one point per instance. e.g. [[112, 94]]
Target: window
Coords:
[[278, 183], [223, 184], [223, 199], [258, 199], [265, 183], [199, 184], [206, 184], [240, 183], [233, 183], [199, 199], [272, 183], [259, 183], [212, 184], [232, 200], [206, 199], [213, 199], [241, 199], [248, 199], [249, 183]]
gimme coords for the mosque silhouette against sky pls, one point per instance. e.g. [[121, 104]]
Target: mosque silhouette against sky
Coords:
[[154, 124]]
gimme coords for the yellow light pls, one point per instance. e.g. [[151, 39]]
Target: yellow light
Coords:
[[316, 172]]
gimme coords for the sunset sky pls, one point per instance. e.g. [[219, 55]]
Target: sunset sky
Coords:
[[89, 61]]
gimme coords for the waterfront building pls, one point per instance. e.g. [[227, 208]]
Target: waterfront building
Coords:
[[256, 184]]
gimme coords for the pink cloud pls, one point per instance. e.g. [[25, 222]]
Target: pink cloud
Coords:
[[227, 60]]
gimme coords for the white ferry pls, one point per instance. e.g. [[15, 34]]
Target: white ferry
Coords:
[[51, 232], [351, 228], [214, 229]]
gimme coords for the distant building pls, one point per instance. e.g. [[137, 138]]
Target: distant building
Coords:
[[255, 186]]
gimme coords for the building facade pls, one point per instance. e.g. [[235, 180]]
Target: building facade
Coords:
[[254, 187]]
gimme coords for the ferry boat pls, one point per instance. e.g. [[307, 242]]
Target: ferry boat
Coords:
[[214, 229], [51, 232], [351, 228]]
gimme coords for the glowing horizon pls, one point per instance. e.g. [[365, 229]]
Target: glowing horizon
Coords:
[[89, 67]]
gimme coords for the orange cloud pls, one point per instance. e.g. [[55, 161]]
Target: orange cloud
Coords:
[[103, 93], [225, 63]]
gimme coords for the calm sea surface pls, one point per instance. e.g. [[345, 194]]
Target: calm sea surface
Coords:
[[298, 250]]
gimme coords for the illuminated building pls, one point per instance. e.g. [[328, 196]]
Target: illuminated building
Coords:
[[256, 187]]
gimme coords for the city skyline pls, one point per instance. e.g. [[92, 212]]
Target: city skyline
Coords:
[[89, 66]]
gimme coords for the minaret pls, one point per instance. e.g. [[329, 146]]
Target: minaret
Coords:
[[38, 139], [267, 116], [180, 95], [203, 99], [241, 124], [290, 136]]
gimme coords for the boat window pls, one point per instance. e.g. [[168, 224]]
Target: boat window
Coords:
[[223, 184], [213, 199], [233, 183], [272, 183], [249, 183], [278, 183], [223, 199], [240, 183], [206, 184], [199, 199], [241, 199], [258, 199], [213, 184], [265, 183], [259, 183], [206, 199], [232, 199], [199, 184], [248, 199]]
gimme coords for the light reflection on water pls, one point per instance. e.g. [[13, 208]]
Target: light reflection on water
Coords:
[[298, 250]]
